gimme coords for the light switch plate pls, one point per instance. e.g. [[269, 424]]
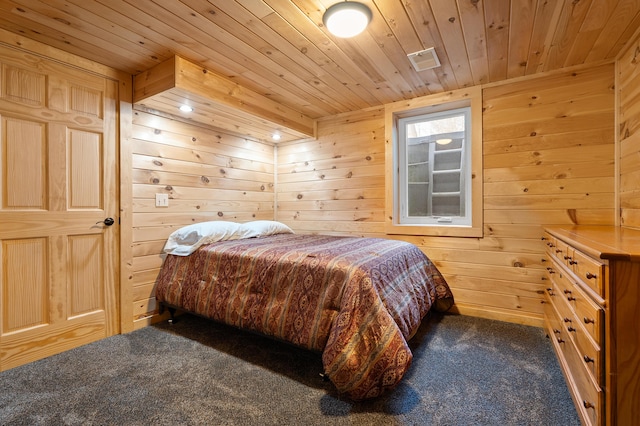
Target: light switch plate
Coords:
[[162, 200]]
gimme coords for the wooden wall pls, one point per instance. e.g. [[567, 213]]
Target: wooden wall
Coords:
[[207, 174], [628, 86], [548, 159]]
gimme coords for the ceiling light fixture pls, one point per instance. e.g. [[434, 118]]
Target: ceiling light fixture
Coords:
[[347, 19], [276, 136], [186, 108]]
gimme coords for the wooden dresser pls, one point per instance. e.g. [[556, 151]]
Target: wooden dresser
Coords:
[[592, 315]]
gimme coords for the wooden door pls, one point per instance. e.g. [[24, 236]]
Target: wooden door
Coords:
[[58, 171]]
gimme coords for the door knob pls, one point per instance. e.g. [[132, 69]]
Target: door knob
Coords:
[[107, 222]]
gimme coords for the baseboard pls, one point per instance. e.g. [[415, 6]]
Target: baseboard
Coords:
[[498, 314]]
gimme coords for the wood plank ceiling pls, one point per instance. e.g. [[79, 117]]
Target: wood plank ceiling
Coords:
[[281, 50]]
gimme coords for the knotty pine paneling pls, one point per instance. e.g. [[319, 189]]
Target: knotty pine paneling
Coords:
[[208, 175], [628, 110], [548, 159]]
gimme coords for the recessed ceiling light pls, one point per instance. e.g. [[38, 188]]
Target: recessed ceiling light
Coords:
[[186, 108], [276, 136]]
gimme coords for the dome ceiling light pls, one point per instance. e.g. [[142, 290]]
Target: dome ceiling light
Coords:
[[347, 19]]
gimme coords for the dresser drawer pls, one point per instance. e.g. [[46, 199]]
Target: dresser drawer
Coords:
[[588, 396], [563, 296], [562, 252], [588, 313], [549, 244], [589, 270]]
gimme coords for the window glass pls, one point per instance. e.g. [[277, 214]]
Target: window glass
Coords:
[[433, 173]]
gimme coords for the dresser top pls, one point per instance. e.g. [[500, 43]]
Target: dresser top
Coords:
[[604, 242]]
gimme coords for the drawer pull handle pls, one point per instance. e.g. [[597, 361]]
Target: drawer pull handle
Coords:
[[590, 276], [573, 262], [558, 251], [567, 291], [571, 298], [567, 258], [589, 320], [567, 319], [588, 359], [570, 329], [587, 404], [556, 331], [560, 340]]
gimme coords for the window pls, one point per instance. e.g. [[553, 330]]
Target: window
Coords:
[[434, 167]]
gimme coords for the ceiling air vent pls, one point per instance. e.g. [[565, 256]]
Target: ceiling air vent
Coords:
[[424, 60]]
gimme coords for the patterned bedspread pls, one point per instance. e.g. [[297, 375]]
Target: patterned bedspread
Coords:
[[358, 300]]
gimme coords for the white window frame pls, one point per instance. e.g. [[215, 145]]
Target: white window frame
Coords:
[[396, 115], [464, 196]]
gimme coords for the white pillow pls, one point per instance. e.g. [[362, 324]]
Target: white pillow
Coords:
[[184, 241], [261, 228]]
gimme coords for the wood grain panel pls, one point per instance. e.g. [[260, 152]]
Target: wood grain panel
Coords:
[[25, 291], [282, 51], [86, 288], [208, 174], [60, 151], [23, 86], [24, 153], [85, 157], [542, 139], [628, 116]]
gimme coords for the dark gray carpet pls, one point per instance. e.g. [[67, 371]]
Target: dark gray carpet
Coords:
[[466, 371]]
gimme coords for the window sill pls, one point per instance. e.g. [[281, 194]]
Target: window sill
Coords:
[[434, 230]]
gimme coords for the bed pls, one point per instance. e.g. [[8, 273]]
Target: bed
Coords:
[[356, 300]]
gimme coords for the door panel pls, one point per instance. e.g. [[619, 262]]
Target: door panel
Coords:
[[58, 173]]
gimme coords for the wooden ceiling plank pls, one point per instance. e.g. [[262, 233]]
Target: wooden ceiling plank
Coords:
[[280, 32], [496, 16], [58, 19], [193, 37], [621, 25], [474, 30], [281, 71], [129, 16], [381, 34], [276, 48], [160, 47], [91, 25], [447, 18], [379, 72], [281, 50], [195, 79], [307, 28], [278, 94], [424, 22], [590, 30], [215, 93], [566, 32], [520, 30], [546, 20], [318, 57], [30, 24], [400, 24]]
